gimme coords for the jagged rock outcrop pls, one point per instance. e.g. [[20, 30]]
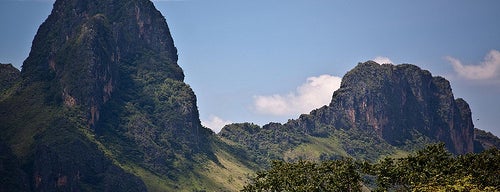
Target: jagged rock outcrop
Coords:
[[401, 102], [87, 47], [100, 103], [379, 110]]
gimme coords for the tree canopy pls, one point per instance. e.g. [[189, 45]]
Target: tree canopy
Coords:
[[430, 169]]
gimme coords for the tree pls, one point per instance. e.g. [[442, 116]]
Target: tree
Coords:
[[337, 175], [430, 169], [435, 169]]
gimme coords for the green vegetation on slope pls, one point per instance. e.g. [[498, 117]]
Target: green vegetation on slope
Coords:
[[101, 106], [48, 141], [101, 95], [317, 148], [287, 142], [430, 169], [229, 173]]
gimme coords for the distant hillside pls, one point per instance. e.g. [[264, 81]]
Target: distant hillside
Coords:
[[379, 110], [485, 140], [9, 76]]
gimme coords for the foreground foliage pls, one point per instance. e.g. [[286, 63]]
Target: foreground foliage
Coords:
[[430, 169], [339, 175]]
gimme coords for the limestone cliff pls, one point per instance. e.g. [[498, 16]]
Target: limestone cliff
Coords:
[[401, 102], [86, 48], [100, 104]]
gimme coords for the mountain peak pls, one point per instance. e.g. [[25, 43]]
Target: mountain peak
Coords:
[[107, 32], [399, 102], [378, 111], [87, 48], [100, 105], [105, 97]]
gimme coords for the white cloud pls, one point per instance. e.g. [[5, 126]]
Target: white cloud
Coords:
[[488, 69], [314, 93], [382, 60], [215, 123]]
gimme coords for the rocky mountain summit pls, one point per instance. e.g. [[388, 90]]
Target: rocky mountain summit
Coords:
[[100, 105], [401, 103], [379, 110], [87, 49]]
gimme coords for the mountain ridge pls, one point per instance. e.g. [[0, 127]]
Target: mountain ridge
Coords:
[[379, 110], [9, 76], [101, 105]]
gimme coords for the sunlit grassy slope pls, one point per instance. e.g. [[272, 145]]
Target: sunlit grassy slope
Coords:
[[228, 174]]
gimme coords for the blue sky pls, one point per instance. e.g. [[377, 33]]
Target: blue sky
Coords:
[[270, 60]]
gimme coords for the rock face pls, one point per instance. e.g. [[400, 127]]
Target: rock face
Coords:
[[485, 140], [87, 47], [378, 111], [100, 103], [400, 102]]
